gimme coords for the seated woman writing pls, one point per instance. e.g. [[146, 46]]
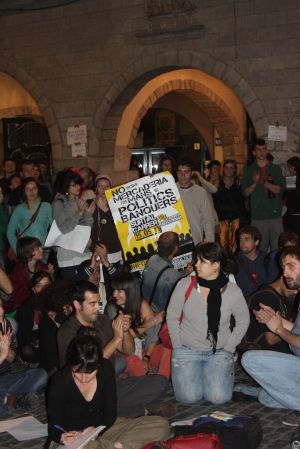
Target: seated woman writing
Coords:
[[82, 396], [200, 329], [145, 326]]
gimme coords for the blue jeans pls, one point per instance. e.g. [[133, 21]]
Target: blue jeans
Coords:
[[120, 365], [200, 375], [18, 384], [279, 376]]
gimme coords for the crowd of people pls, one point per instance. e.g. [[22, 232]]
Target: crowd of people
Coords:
[[104, 343]]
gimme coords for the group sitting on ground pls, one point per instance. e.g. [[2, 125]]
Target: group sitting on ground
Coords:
[[69, 318]]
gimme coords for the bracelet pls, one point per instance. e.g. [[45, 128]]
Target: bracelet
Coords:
[[146, 357]]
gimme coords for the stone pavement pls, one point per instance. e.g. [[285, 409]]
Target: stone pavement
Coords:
[[276, 435]]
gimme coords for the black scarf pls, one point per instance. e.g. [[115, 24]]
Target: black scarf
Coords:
[[214, 301]]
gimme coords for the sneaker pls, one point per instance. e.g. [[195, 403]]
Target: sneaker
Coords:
[[165, 409], [239, 396], [28, 401], [292, 419]]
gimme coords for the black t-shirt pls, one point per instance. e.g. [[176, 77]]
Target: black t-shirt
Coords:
[[67, 407], [268, 296], [104, 231], [48, 344]]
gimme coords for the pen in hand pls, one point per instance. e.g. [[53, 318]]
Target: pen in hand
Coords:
[[58, 427]]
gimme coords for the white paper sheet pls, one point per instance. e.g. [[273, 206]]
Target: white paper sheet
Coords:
[[114, 257], [75, 240], [8, 424], [79, 150], [186, 422], [82, 440], [277, 133], [76, 134], [25, 428]]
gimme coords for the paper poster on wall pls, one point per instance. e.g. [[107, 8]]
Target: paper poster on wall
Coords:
[[76, 134], [79, 150], [277, 133], [144, 209]]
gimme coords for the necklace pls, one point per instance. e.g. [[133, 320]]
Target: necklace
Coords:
[[101, 221]]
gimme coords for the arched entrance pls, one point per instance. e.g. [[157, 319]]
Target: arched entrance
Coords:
[[23, 133], [21, 96], [201, 86]]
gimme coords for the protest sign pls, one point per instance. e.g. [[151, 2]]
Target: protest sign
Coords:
[[142, 210]]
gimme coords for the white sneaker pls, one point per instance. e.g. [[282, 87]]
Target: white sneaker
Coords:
[[292, 419]]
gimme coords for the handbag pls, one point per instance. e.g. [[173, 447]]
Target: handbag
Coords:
[[196, 441], [164, 331], [10, 253]]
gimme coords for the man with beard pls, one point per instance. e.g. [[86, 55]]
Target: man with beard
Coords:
[[278, 374], [255, 267]]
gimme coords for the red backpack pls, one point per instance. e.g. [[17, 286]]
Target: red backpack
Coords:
[[196, 441]]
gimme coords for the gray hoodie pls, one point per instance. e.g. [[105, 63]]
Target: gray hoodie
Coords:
[[65, 213], [192, 332]]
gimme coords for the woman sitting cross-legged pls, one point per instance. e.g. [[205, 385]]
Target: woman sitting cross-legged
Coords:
[[203, 338], [30, 261], [82, 396], [145, 326]]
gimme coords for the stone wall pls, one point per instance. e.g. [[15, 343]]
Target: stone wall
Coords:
[[77, 61]]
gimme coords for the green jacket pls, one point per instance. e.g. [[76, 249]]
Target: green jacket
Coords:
[[262, 207]]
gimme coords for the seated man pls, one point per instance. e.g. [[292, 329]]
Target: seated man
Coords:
[[280, 298], [159, 276], [255, 268], [16, 389], [278, 373], [86, 300], [133, 393]]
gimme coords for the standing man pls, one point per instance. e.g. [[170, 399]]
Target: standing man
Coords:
[[278, 373], [264, 184], [196, 204]]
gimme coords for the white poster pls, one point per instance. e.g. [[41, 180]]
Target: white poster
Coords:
[[76, 134], [79, 150], [277, 133]]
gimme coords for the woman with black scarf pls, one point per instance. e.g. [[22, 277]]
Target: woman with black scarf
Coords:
[[200, 328]]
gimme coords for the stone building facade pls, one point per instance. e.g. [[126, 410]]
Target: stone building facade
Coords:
[[104, 63]]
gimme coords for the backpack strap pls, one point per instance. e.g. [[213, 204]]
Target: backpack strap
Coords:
[[156, 282], [190, 288], [188, 293], [32, 220]]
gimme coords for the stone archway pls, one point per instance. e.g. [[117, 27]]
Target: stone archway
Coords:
[[225, 111], [118, 100], [11, 69]]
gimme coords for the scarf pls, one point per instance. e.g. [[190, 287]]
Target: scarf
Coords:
[[214, 301]]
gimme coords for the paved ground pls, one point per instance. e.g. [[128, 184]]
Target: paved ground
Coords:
[[276, 435]]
